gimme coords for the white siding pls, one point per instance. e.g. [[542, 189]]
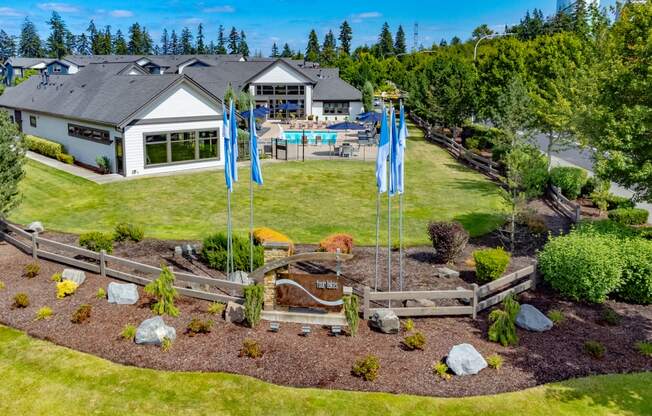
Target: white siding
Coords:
[[355, 108], [309, 103], [279, 74], [56, 129], [183, 101]]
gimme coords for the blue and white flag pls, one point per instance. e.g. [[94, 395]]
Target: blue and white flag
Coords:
[[402, 144], [233, 135], [227, 150], [383, 154], [394, 162], [256, 173]]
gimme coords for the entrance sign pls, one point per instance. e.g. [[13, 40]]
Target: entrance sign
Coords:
[[310, 291]]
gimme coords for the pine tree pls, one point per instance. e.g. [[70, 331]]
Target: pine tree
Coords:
[[175, 47], [106, 41], [385, 42], [275, 53], [400, 45], [94, 38], [7, 46], [329, 50], [580, 19], [71, 42], [287, 52], [120, 44], [221, 42], [186, 42], [148, 43], [211, 49], [165, 43], [135, 44], [346, 35], [456, 41], [234, 41], [243, 47], [201, 47], [56, 42], [83, 46], [30, 42], [312, 51]]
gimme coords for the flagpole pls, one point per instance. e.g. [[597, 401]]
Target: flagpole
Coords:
[[228, 232], [251, 197], [400, 240], [377, 238], [389, 217]]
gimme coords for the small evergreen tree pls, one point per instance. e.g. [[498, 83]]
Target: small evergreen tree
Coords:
[[165, 42], [400, 45], [346, 35], [175, 47], [385, 42], [312, 50], [275, 53], [329, 50], [201, 47], [186, 42], [11, 164], [243, 47], [254, 298], [234, 41], [164, 292], [120, 44], [221, 42], [368, 96], [287, 52]]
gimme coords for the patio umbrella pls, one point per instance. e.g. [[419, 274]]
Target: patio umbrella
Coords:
[[288, 107], [370, 117], [346, 125], [259, 112]]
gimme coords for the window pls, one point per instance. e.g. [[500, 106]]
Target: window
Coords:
[[56, 69], [280, 89], [180, 147], [32, 121], [89, 133], [336, 108]]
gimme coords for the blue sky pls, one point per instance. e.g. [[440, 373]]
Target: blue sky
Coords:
[[281, 21]]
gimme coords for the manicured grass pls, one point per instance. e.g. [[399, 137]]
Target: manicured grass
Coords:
[[41, 378], [307, 200]]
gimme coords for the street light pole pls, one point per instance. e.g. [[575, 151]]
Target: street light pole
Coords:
[[492, 36]]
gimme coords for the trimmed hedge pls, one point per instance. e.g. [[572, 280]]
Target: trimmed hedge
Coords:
[[42, 146], [66, 158], [490, 264], [570, 180], [629, 216]]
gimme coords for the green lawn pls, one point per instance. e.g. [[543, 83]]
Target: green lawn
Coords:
[[40, 378], [307, 200]]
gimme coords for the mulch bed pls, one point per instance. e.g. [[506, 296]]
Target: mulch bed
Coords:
[[321, 360]]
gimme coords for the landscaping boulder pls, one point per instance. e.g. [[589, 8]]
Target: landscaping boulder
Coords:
[[240, 277], [531, 319], [36, 227], [464, 360], [76, 276], [152, 331], [234, 313], [419, 303], [122, 293], [445, 272], [385, 321]]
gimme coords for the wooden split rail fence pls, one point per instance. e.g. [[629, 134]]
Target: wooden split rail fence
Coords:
[[122, 269], [477, 299], [564, 205]]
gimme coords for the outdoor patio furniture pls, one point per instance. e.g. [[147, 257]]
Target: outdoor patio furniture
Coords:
[[346, 150], [318, 140]]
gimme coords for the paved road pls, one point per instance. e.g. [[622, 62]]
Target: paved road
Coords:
[[583, 158]]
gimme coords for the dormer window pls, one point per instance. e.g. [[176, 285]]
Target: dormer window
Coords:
[[56, 69]]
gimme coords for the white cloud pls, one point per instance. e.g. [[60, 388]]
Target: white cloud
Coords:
[[59, 7], [220, 9], [121, 13], [357, 18], [192, 21], [9, 12]]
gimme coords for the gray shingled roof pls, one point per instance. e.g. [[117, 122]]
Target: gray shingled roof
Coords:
[[20, 62], [330, 87]]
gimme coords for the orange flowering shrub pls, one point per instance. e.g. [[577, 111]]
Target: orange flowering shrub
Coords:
[[268, 235], [342, 241]]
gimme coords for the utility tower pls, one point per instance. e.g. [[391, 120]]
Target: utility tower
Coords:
[[415, 44]]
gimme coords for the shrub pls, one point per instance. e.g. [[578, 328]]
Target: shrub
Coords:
[[197, 326], [367, 368], [441, 370], [352, 313], [2, 285], [97, 241], [251, 348], [216, 308], [103, 163], [594, 349], [536, 177], [66, 158], [605, 228], [619, 202], [44, 313], [101, 293], [582, 267], [214, 252], [636, 286], [21, 300], [31, 270], [42, 146], [533, 221], [609, 317], [448, 239], [82, 314], [66, 288], [644, 347], [331, 243], [166, 345], [495, 361], [629, 216], [125, 231], [57, 277], [128, 332], [254, 297], [268, 235], [569, 180], [163, 290], [503, 323], [408, 325], [416, 341], [490, 264], [595, 185], [556, 316]]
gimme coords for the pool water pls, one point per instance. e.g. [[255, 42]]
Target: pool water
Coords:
[[294, 137]]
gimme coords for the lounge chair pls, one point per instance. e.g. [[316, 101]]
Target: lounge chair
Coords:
[[346, 150]]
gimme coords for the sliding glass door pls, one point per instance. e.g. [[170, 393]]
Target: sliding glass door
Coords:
[[181, 147]]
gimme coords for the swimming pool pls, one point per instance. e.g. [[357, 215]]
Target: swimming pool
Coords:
[[294, 137]]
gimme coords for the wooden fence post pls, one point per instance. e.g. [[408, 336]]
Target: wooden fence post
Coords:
[[474, 301], [534, 278], [103, 263], [367, 294], [578, 213], [34, 246]]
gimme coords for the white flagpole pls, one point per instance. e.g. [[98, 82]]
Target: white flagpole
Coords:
[[251, 197], [400, 240], [389, 215], [377, 238]]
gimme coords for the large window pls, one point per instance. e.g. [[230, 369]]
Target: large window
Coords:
[[280, 89], [89, 133], [32, 121], [336, 108], [181, 146]]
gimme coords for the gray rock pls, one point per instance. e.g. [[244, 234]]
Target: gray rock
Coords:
[[240, 277], [122, 294], [445, 272], [152, 331], [419, 303], [76, 276], [178, 251], [36, 227], [465, 360], [531, 319], [385, 321], [234, 313]]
